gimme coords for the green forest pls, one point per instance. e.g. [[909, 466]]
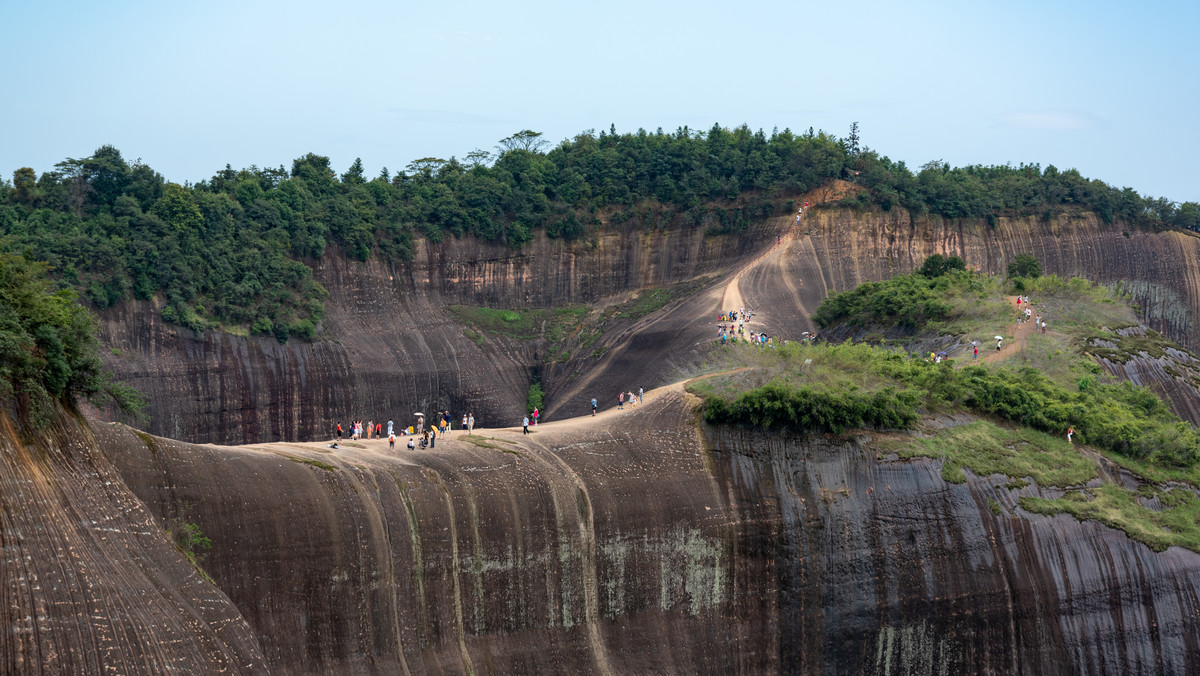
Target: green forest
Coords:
[[234, 251]]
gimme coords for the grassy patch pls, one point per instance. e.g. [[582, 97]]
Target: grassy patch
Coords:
[[486, 442], [309, 461], [151, 442], [1127, 344], [520, 324], [995, 506], [986, 448], [1178, 524]]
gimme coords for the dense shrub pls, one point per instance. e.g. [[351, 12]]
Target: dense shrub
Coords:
[[803, 409], [909, 301]]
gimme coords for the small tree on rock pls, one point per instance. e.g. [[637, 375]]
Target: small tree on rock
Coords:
[[1025, 265], [938, 265]]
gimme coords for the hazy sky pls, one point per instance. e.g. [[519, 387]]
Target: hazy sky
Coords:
[[1109, 88]]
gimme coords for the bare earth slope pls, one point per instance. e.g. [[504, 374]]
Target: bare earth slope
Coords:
[[636, 542]]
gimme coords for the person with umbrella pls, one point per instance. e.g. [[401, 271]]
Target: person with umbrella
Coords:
[[999, 341]]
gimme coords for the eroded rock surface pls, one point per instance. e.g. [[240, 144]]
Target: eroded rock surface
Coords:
[[90, 582], [638, 542]]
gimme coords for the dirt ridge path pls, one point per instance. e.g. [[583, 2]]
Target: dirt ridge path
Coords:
[[731, 295], [1020, 333]]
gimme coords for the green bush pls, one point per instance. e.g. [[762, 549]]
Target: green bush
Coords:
[[806, 409], [48, 348]]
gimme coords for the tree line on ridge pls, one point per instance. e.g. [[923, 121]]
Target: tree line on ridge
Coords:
[[234, 251]]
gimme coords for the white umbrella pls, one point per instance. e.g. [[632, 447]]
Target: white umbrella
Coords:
[[419, 415], [999, 337]]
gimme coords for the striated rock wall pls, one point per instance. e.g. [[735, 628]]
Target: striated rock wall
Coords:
[[389, 348], [90, 582], [632, 543]]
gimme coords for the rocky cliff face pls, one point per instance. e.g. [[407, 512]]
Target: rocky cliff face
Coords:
[[90, 581], [388, 345], [389, 348], [638, 542]]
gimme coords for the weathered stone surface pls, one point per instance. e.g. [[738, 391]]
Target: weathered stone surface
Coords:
[[89, 581], [388, 346], [632, 542]]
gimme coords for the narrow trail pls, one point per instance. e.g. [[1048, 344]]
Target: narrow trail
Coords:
[[1020, 333], [731, 295]]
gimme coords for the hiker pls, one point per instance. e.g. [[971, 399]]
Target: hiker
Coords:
[[976, 350], [464, 421], [370, 428], [998, 341], [391, 441], [1070, 433], [1043, 327], [433, 435], [390, 427], [525, 424], [641, 395], [470, 423], [620, 401], [424, 438], [593, 407], [339, 432], [378, 430], [536, 415]]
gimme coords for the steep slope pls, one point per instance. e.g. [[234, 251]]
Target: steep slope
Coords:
[[89, 581], [631, 542]]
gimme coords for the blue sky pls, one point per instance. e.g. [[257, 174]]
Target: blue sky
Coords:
[[1109, 88]]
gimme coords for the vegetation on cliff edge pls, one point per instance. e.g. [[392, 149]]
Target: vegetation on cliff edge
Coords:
[[48, 347], [235, 251], [1023, 405]]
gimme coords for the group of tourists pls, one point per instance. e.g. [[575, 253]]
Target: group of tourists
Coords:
[[737, 325], [625, 398], [532, 416], [1025, 314], [426, 434]]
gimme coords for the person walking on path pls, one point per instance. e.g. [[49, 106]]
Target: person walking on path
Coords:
[[525, 424], [593, 407], [339, 432], [976, 350], [620, 401], [433, 434], [464, 422], [470, 423], [1043, 327], [391, 441], [998, 342], [1070, 433], [391, 427], [641, 395], [536, 415]]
